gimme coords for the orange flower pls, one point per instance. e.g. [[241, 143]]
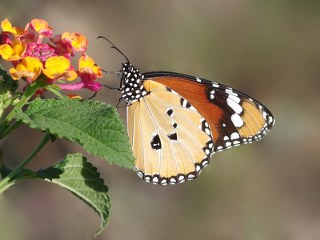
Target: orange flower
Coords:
[[59, 67], [77, 41], [88, 66], [29, 68], [13, 51], [41, 27]]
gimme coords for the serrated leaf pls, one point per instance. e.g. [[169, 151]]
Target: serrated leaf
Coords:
[[80, 177], [94, 125], [75, 174]]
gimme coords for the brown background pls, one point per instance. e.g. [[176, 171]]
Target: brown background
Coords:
[[267, 190]]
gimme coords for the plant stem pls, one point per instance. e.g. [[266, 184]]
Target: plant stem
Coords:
[[5, 125], [7, 181]]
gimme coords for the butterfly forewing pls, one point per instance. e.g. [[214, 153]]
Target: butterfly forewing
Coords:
[[234, 117]]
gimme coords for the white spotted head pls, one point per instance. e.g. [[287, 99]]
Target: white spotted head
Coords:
[[132, 88]]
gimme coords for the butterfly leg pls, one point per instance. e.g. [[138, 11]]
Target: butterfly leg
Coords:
[[92, 96], [117, 106]]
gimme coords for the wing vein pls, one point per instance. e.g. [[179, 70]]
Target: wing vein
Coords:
[[158, 129]]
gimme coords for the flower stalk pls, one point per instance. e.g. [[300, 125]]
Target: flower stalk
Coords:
[[9, 180]]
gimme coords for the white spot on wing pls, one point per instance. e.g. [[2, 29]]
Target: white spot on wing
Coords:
[[234, 98], [264, 114], [214, 84], [236, 143], [234, 135], [236, 119], [235, 106], [229, 90], [155, 179], [271, 119]]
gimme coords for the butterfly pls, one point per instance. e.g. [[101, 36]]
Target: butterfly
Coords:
[[176, 122]]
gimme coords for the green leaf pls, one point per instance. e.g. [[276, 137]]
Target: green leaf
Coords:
[[77, 175], [54, 89], [80, 177], [94, 125]]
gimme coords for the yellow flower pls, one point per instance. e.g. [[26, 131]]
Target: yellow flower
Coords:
[[29, 68], [59, 67], [7, 27], [14, 51]]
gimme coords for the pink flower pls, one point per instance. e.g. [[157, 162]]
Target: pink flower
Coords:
[[88, 72], [40, 50], [36, 53]]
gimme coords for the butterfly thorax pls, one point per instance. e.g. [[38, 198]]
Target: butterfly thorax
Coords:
[[132, 88]]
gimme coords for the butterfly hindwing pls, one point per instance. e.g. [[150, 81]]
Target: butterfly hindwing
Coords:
[[171, 141]]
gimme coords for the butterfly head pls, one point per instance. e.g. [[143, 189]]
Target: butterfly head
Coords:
[[132, 88]]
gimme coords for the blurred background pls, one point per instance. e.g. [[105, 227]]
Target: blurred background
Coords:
[[266, 190]]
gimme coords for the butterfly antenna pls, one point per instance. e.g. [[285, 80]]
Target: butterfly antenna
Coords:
[[113, 72], [114, 47]]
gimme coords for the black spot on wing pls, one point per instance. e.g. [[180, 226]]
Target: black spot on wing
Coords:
[[156, 142], [169, 112], [184, 103], [173, 136]]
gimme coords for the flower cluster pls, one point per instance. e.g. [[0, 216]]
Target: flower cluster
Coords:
[[38, 55]]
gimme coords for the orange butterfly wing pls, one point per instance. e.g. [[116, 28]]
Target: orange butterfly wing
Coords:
[[234, 117]]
